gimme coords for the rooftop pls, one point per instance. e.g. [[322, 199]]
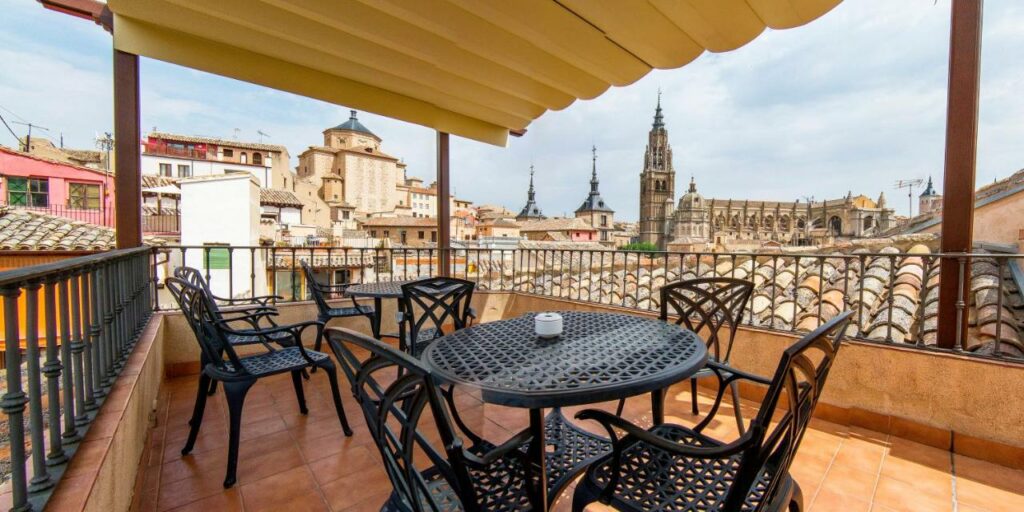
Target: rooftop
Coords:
[[276, 197], [218, 142], [354, 125], [426, 222], [26, 230], [556, 224]]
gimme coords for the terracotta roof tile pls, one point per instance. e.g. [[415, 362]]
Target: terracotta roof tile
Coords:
[[22, 230]]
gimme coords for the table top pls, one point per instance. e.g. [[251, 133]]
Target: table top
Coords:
[[383, 289], [598, 357]]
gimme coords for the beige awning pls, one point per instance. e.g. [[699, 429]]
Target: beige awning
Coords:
[[473, 68]]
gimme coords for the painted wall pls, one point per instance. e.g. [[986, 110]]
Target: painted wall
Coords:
[[223, 211], [60, 177], [999, 221]]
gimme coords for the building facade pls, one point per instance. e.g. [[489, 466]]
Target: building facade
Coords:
[[595, 211], [185, 156], [657, 182], [54, 187]]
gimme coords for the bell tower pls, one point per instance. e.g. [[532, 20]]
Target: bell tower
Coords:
[[657, 182]]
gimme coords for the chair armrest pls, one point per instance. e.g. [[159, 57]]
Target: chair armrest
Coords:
[[512, 445], [736, 374], [261, 300], [611, 422], [295, 329]]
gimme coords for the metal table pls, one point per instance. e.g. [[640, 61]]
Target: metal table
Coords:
[[378, 292], [599, 357]]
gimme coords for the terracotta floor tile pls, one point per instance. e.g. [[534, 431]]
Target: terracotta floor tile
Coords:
[[830, 501], [290, 490], [253, 468], [904, 497], [354, 460], [228, 501], [370, 504], [849, 481], [354, 489], [185, 491]]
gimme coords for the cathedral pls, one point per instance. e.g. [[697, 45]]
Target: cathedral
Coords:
[[697, 223]]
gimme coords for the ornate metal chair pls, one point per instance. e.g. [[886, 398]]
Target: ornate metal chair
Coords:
[[483, 478], [715, 304], [428, 304], [238, 374], [326, 313], [671, 467], [254, 312]]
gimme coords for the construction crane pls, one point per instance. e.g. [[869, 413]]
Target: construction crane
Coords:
[[909, 185]]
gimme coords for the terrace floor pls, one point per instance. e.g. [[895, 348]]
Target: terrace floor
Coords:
[[290, 461]]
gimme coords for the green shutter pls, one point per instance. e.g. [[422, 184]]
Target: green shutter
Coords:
[[217, 258]]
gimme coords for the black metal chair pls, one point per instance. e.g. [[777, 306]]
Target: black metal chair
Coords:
[[325, 312], [482, 478], [256, 313], [714, 304], [671, 467], [428, 304], [238, 374]]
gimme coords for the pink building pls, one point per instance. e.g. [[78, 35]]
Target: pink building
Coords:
[[40, 184]]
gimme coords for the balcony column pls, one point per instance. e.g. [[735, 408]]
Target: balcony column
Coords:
[[960, 163], [443, 205], [127, 176]]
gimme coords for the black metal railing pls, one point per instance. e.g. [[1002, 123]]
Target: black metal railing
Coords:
[[97, 216], [894, 295], [68, 329]]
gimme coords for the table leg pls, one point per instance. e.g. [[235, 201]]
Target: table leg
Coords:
[[377, 315], [538, 456], [658, 406]]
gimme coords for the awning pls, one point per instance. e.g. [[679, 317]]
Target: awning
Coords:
[[472, 68]]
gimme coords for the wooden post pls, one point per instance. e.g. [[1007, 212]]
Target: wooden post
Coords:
[[444, 221], [959, 177], [127, 175]]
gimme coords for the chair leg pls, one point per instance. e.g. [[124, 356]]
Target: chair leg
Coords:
[[736, 406], [299, 393], [205, 384], [796, 502], [235, 394], [213, 388], [622, 405], [332, 374], [693, 395]]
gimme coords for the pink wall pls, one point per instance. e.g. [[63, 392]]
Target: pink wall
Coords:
[[60, 175], [582, 236]]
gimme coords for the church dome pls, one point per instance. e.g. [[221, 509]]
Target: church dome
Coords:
[[691, 199], [354, 125]]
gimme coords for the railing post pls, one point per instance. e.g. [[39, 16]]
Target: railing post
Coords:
[[90, 334], [14, 400], [52, 370], [77, 347], [70, 434], [40, 476]]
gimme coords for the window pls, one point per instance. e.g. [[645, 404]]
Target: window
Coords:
[[387, 234], [286, 284], [257, 159], [373, 233], [344, 214], [184, 171], [422, 235], [229, 153], [245, 158], [28, 192], [401, 236], [604, 220], [433, 236], [84, 196], [216, 258], [165, 170]]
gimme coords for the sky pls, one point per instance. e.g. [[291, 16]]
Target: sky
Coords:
[[851, 102]]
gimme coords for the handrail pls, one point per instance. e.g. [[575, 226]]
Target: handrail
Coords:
[[18, 276]]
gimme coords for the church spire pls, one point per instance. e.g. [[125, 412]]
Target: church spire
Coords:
[[659, 121], [593, 175], [594, 201], [929, 190], [530, 211]]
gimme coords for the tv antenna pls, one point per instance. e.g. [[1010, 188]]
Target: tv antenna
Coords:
[[909, 185], [236, 133], [262, 134], [105, 143], [28, 138]]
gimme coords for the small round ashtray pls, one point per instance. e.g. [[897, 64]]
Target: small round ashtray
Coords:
[[547, 325]]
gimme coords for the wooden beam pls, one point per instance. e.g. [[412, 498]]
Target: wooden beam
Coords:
[[444, 222], [127, 175], [959, 177], [91, 10]]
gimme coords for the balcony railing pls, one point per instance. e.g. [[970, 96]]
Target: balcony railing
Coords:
[[68, 329], [169, 223], [99, 217], [894, 295]]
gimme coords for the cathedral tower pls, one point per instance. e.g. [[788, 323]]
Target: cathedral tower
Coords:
[[657, 182], [531, 210]]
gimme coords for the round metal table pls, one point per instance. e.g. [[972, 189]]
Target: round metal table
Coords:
[[378, 291], [598, 357]]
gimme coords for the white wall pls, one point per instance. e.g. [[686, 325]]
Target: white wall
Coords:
[[151, 167], [224, 211]]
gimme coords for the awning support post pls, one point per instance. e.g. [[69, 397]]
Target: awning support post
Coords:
[[960, 163], [443, 205], [127, 136]]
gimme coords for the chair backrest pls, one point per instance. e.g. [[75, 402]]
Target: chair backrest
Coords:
[[790, 399], [430, 303], [394, 390], [314, 289], [193, 277], [714, 303], [202, 316]]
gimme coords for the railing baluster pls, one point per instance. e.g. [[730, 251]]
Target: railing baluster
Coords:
[[52, 370], [40, 476], [70, 434], [77, 347], [14, 400]]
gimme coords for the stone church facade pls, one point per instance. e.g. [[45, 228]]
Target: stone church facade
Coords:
[[699, 223]]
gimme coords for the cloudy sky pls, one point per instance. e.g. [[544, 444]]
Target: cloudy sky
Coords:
[[853, 101]]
